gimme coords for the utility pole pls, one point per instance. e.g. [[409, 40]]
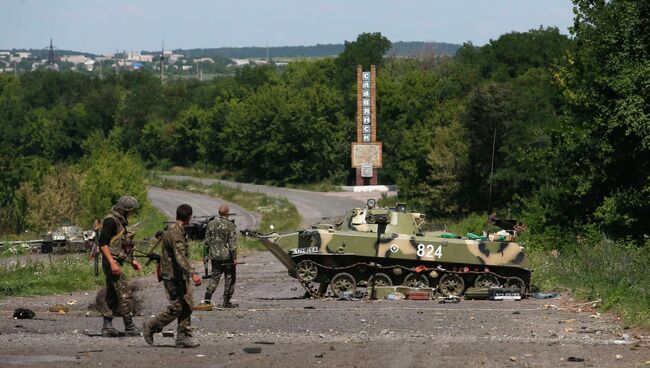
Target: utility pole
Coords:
[[162, 64], [101, 76], [117, 64]]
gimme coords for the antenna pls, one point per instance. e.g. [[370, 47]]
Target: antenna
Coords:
[[50, 55], [494, 141]]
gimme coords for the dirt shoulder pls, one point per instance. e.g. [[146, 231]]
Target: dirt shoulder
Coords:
[[294, 332]]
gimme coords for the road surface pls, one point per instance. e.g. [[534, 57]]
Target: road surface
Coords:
[[295, 332], [312, 206], [167, 200]]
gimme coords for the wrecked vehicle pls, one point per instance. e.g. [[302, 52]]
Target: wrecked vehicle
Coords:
[[67, 238], [385, 246]]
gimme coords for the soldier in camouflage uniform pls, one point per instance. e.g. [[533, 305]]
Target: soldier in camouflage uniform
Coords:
[[221, 240], [115, 245], [177, 275]]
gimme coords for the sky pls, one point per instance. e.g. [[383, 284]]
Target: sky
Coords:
[[104, 26]]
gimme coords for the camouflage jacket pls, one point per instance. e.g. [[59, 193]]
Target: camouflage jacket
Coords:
[[119, 238], [174, 257], [221, 240]]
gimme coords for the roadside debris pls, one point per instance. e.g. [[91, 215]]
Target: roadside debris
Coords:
[[168, 333], [540, 295], [24, 313], [59, 308], [252, 350], [575, 359], [449, 299]]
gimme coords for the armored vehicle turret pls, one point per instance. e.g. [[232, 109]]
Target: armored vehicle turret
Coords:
[[385, 246]]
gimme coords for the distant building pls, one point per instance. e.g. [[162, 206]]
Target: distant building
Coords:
[[24, 55], [240, 62], [135, 56], [187, 67], [74, 59], [204, 60], [5, 54]]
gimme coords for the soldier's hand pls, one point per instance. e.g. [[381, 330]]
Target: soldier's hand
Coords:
[[197, 279], [136, 265], [115, 268]]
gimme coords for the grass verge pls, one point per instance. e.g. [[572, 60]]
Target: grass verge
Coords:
[[41, 275]]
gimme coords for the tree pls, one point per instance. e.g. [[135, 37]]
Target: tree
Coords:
[[366, 50], [604, 149]]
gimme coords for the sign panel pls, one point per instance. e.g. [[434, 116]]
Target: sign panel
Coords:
[[366, 170], [369, 153]]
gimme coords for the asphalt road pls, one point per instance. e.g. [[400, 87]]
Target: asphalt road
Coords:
[[295, 332], [312, 206], [168, 200]]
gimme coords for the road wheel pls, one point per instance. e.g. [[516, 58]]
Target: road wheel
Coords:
[[416, 280], [486, 280], [342, 282], [307, 271], [517, 283], [380, 279], [451, 285]]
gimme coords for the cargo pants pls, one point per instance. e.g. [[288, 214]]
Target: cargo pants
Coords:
[[118, 293], [181, 301], [230, 275]]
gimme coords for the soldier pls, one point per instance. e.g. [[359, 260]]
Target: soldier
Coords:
[[176, 273], [221, 240], [115, 243]]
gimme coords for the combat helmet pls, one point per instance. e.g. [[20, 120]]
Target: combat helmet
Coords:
[[127, 203]]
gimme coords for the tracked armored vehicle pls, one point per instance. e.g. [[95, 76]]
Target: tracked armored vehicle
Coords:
[[384, 246]]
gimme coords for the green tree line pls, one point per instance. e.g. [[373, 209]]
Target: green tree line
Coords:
[[547, 127]]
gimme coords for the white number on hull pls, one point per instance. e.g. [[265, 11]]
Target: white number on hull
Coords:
[[429, 251]]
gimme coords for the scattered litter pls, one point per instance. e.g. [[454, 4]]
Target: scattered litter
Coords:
[[391, 297], [264, 342], [619, 357], [319, 355], [252, 350], [71, 302], [24, 313], [309, 307], [540, 295], [205, 305], [347, 296], [569, 329], [230, 335], [516, 312], [568, 321], [168, 333], [513, 358], [322, 336], [575, 359], [200, 355], [58, 308], [449, 299]]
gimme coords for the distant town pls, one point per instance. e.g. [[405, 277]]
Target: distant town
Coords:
[[195, 63]]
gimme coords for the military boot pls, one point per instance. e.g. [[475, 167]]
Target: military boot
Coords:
[[184, 340], [227, 303], [130, 329], [108, 330], [147, 332]]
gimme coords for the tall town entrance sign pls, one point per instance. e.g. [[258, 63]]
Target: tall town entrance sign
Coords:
[[366, 151]]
